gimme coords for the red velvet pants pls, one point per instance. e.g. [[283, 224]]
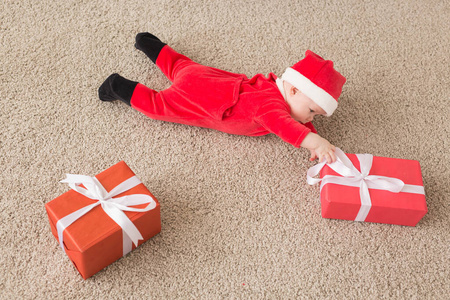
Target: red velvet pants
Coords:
[[199, 95]]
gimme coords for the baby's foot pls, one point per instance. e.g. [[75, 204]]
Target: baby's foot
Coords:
[[105, 91], [116, 87], [145, 36], [149, 44]]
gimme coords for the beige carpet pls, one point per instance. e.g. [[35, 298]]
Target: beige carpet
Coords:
[[238, 219]]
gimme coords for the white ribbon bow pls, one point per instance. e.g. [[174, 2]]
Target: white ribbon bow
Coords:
[[350, 176], [114, 207]]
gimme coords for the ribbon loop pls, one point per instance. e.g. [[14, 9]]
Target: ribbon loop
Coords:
[[113, 207], [393, 185]]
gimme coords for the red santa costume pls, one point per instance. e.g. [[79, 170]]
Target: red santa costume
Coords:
[[232, 103]]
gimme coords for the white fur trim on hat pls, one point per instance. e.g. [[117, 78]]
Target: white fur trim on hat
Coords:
[[310, 89]]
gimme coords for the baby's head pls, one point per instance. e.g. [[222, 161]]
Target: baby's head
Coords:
[[312, 87]]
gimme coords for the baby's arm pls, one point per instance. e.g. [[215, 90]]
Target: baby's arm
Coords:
[[319, 147], [276, 118]]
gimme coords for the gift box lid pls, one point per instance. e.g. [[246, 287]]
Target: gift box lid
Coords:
[[405, 169]]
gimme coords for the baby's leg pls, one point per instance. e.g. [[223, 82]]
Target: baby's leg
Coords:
[[167, 59], [150, 102], [168, 105]]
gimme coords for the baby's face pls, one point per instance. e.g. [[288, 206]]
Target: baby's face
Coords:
[[303, 109]]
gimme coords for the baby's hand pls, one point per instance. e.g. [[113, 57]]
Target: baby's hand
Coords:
[[319, 147], [324, 151]]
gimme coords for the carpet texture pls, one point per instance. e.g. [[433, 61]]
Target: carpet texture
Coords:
[[238, 218]]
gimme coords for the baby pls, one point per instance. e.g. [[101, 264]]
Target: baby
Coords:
[[232, 103]]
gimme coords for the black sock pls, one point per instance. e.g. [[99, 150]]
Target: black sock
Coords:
[[115, 87], [149, 44]]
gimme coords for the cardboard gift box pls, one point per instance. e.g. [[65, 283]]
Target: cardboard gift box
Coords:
[[85, 220], [368, 188]]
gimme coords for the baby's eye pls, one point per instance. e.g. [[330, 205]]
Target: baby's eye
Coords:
[[311, 110]]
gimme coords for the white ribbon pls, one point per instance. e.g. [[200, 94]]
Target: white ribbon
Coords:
[[114, 207], [350, 176]]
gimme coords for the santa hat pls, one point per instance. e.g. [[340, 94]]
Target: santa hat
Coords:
[[317, 79]]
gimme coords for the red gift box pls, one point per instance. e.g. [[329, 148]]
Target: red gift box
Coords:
[[94, 240], [387, 190]]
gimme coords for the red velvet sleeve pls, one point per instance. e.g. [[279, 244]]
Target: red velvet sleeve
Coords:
[[276, 118], [311, 126]]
